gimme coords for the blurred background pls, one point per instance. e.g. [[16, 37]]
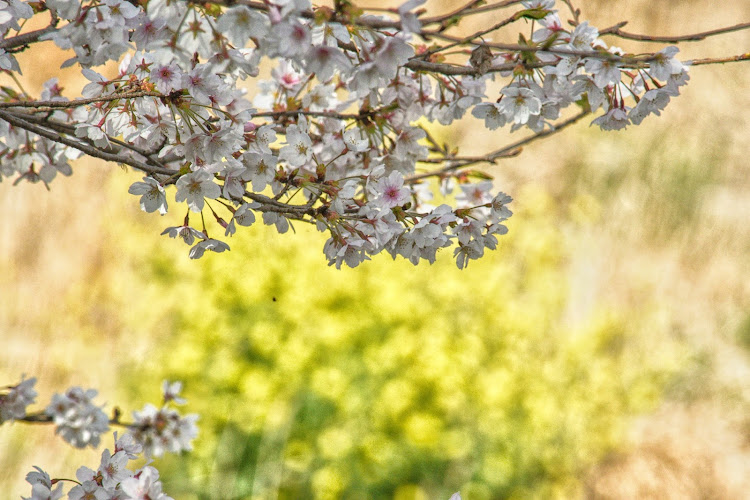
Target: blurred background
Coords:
[[603, 351]]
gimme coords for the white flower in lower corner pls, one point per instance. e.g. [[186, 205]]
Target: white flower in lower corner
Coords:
[[153, 196], [144, 485], [41, 486]]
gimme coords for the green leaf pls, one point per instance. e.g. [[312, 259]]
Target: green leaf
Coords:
[[535, 14]]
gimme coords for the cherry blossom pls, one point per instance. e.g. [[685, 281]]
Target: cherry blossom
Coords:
[[345, 118], [153, 432], [13, 403]]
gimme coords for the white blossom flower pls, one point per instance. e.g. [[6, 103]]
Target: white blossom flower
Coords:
[[665, 65], [240, 24], [356, 141], [286, 76], [244, 215], [273, 218], [195, 187], [539, 4], [201, 83], [292, 38], [166, 77], [653, 101], [390, 191], [264, 137], [498, 209], [41, 486], [112, 468], [210, 244], [87, 490], [162, 430], [323, 60], [520, 103], [583, 37], [392, 54], [13, 404], [187, 233], [491, 113], [298, 149], [409, 21], [474, 194], [78, 420], [605, 71], [144, 485], [260, 169], [149, 32], [614, 119], [171, 392], [128, 445], [153, 196]]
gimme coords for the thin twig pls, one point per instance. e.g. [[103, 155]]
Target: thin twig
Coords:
[[505, 152], [695, 37], [81, 146], [720, 60], [31, 37], [43, 418], [470, 38], [49, 105]]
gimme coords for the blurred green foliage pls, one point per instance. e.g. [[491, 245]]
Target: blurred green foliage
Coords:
[[385, 381]]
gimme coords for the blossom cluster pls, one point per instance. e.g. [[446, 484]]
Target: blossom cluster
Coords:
[[112, 480], [16, 398], [336, 136], [81, 423]]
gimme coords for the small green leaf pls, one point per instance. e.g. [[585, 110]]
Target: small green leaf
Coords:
[[535, 14]]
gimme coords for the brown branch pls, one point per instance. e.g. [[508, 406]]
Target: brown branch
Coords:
[[365, 21], [324, 114], [82, 146], [695, 37], [32, 36], [43, 418], [455, 70], [575, 12], [505, 152], [467, 10], [66, 128], [50, 105], [721, 60], [469, 38]]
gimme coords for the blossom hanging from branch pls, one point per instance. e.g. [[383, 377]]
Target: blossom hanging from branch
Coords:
[[81, 423], [335, 138]]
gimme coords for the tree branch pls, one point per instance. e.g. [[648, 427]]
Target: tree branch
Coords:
[[505, 152], [32, 36], [695, 37], [49, 105], [82, 146]]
